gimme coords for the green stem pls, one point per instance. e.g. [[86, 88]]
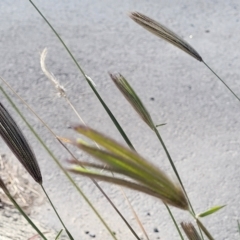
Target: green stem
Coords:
[[68, 233], [222, 82], [173, 166], [174, 221], [58, 163], [26, 217], [176, 173], [206, 232], [86, 78], [58, 234]]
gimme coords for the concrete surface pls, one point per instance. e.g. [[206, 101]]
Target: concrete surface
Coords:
[[202, 131]]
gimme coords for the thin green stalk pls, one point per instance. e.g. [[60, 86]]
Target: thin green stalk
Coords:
[[222, 81], [177, 175], [86, 78], [58, 234], [206, 232], [175, 223], [68, 233], [58, 163], [26, 217], [173, 166]]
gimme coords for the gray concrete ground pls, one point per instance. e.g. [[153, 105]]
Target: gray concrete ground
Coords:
[[202, 131]]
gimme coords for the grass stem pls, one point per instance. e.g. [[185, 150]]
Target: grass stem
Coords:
[[174, 221], [25, 215], [68, 233], [222, 81]]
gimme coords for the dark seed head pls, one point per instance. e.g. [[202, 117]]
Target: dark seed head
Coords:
[[16, 141]]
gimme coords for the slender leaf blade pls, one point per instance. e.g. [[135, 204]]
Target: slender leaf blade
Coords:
[[211, 211]]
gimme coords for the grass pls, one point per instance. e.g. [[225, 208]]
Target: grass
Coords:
[[116, 164]]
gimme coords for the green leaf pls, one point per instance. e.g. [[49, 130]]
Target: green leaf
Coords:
[[211, 211]]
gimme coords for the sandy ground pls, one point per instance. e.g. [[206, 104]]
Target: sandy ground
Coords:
[[202, 131]]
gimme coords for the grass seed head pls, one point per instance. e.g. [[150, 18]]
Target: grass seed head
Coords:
[[190, 231], [165, 33], [132, 98], [16, 141]]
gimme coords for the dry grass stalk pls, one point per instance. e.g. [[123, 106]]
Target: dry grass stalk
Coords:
[[163, 32], [16, 141]]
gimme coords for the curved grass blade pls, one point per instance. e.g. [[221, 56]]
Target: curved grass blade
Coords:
[[16, 141], [165, 33], [210, 211]]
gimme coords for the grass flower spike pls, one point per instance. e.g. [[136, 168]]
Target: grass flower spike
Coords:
[[122, 161], [132, 98], [171, 37], [163, 32], [16, 141]]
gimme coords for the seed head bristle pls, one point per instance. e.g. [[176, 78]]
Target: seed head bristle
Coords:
[[165, 33], [16, 141]]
